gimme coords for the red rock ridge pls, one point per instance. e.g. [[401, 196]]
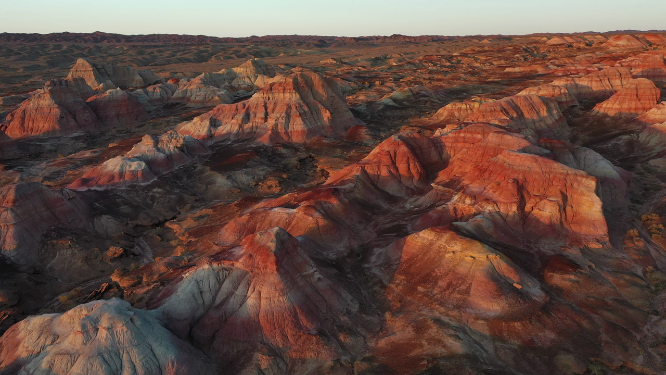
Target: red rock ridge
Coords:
[[117, 108], [55, 111], [294, 109], [530, 115], [28, 209]]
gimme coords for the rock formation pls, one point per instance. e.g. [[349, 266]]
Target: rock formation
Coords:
[[558, 93], [531, 115], [602, 84], [27, 210], [117, 107], [402, 165], [77, 85], [264, 296], [657, 39], [153, 97], [627, 41], [457, 111], [148, 159], [634, 99], [103, 77], [613, 180], [653, 137], [55, 111], [118, 171], [432, 266], [647, 65], [166, 152], [656, 115], [101, 337], [252, 75], [293, 108], [200, 92], [209, 89]]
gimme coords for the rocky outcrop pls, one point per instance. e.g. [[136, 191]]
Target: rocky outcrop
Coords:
[[118, 172], [655, 38], [634, 99], [648, 65], [531, 115], [166, 152], [457, 111], [153, 97], [148, 159], [627, 41], [558, 93], [116, 108], [402, 165], [103, 77], [293, 109], [209, 89], [656, 115], [565, 40], [518, 202], [265, 296], [612, 180], [653, 137], [598, 85], [432, 266], [250, 76], [200, 92], [77, 85], [27, 210], [54, 111], [101, 337]]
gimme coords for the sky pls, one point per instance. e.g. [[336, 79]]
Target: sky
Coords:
[[238, 18]]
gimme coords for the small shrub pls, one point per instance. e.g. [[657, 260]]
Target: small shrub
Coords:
[[70, 296], [633, 233], [657, 279], [115, 252], [596, 368], [652, 223]]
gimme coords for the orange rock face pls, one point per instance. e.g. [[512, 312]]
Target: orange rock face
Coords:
[[117, 108], [152, 97], [558, 93], [650, 66], [27, 209], [103, 77], [210, 89], [457, 111], [433, 266], [294, 109], [57, 110], [636, 98], [401, 165], [602, 84], [148, 159], [118, 171], [627, 41], [200, 92], [531, 115], [265, 295], [656, 115]]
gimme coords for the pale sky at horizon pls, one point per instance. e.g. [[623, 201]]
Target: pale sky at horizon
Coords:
[[342, 17]]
